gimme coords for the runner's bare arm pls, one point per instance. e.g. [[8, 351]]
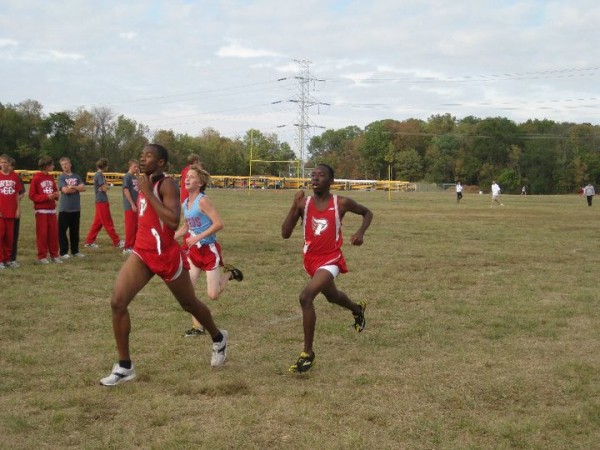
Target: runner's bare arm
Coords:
[[347, 204], [293, 215], [168, 209]]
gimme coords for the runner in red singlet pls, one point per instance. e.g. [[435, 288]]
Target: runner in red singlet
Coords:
[[323, 259], [156, 252]]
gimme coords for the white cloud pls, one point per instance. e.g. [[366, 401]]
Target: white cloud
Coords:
[[358, 79], [128, 36], [380, 59], [236, 50], [291, 67], [47, 55], [8, 43]]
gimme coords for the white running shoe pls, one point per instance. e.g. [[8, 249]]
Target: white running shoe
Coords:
[[120, 244], [79, 255], [43, 261], [219, 352], [65, 256], [118, 375], [92, 245], [2, 266], [57, 260], [13, 265]]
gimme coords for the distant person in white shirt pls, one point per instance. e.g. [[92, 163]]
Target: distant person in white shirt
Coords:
[[459, 190], [589, 193], [495, 194]]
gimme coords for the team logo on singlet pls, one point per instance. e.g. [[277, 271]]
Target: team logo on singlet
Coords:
[[319, 225], [143, 206]]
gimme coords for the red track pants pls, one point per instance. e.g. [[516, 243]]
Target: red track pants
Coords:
[[102, 218], [46, 230]]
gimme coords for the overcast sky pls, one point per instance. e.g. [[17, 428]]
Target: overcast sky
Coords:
[[232, 65]]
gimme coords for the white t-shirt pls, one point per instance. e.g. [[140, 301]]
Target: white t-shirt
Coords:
[[495, 190], [459, 188]]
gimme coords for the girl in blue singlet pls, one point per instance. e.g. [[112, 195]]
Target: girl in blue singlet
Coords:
[[199, 230]]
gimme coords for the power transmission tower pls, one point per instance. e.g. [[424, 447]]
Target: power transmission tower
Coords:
[[305, 100]]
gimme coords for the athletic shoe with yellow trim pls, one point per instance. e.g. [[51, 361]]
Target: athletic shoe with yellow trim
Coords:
[[359, 319], [304, 363], [194, 332]]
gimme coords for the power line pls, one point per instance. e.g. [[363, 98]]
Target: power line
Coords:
[[544, 74]]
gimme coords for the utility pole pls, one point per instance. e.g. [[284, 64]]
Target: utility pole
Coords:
[[305, 101]]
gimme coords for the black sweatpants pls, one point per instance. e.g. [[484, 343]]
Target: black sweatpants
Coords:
[[68, 221]]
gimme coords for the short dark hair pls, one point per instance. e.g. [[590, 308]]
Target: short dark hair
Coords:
[[102, 163], [329, 169], [160, 151]]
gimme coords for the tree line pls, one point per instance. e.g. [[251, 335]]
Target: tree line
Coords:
[[546, 156], [85, 136]]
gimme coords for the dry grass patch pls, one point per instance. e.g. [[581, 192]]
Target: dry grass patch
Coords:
[[482, 332]]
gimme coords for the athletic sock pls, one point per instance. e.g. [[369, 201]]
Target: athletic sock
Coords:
[[125, 364], [218, 337]]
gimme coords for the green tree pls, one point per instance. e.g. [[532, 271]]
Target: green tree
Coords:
[[339, 149], [493, 140], [84, 139], [129, 139], [21, 132], [104, 132], [266, 147], [375, 147], [440, 159], [409, 165], [544, 161], [59, 142], [539, 164], [509, 181]]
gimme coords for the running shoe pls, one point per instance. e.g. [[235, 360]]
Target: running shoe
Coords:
[[118, 375], [304, 363], [359, 319], [120, 244], [79, 255], [57, 260], [13, 265], [219, 352], [194, 332], [65, 256], [236, 273], [2, 266], [92, 245], [43, 261]]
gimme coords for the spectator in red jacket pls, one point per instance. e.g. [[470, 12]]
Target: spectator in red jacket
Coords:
[[43, 192], [9, 209]]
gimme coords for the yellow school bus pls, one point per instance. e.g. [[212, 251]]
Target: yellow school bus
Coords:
[[27, 175], [115, 178]]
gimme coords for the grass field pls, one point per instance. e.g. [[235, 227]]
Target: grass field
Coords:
[[483, 331]]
